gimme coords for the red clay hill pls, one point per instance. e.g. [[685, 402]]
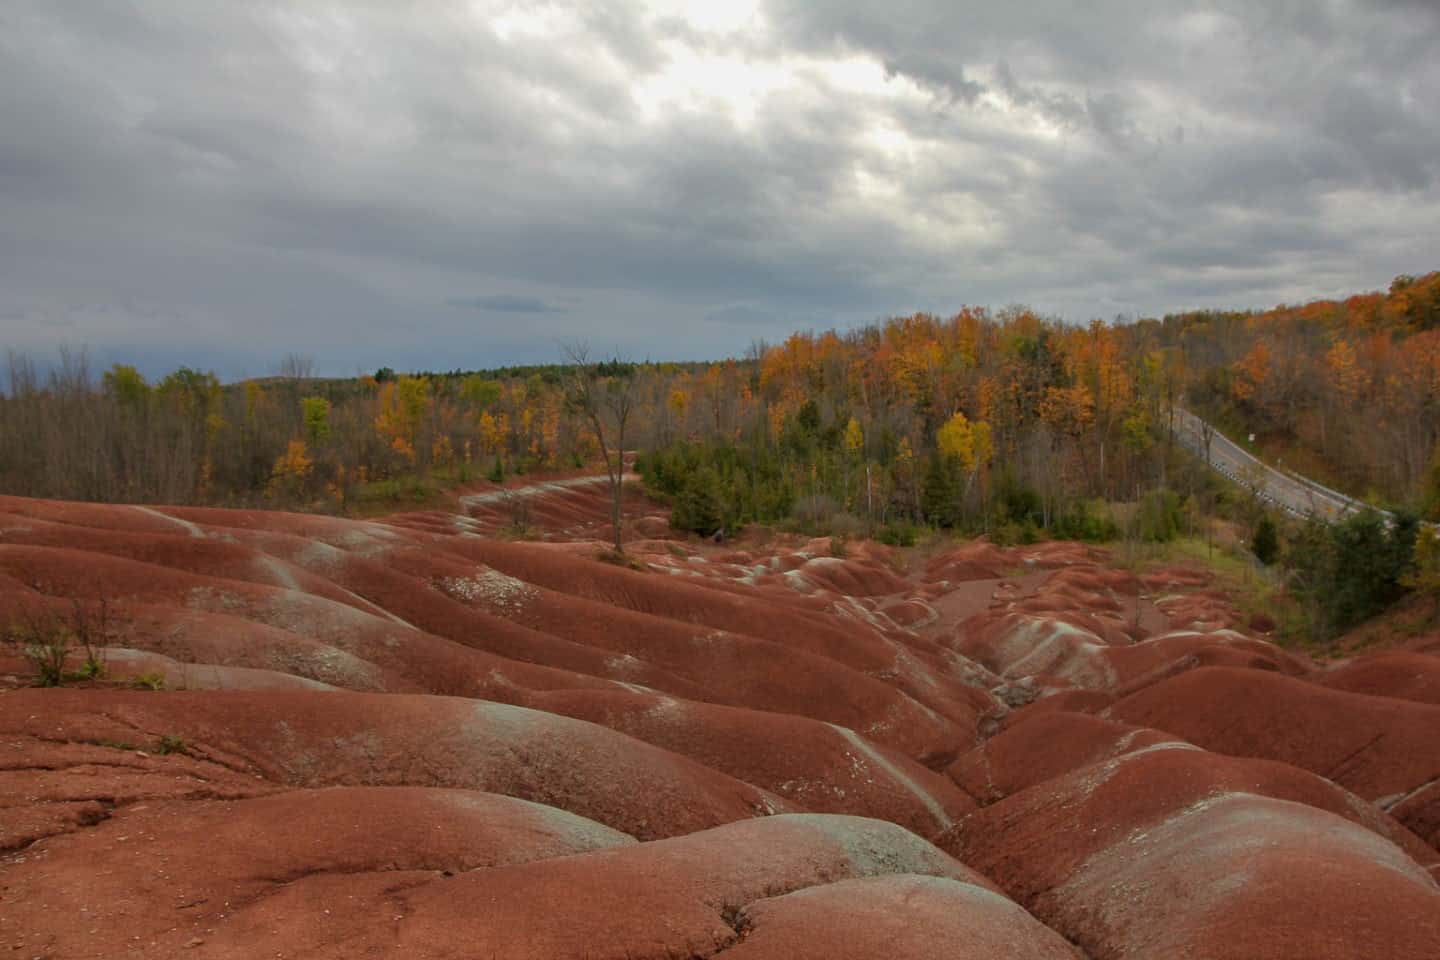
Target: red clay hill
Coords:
[[471, 734]]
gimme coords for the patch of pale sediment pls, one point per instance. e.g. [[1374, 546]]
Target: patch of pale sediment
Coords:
[[931, 614], [1042, 645], [898, 776], [497, 590], [465, 524], [968, 671], [280, 572], [509, 723], [633, 687], [665, 709], [1221, 635], [574, 833], [1207, 854], [908, 667], [878, 847], [852, 609], [1394, 800], [1096, 775], [798, 582], [956, 892], [197, 675], [578, 832], [625, 663], [329, 665], [322, 618], [214, 600], [368, 542], [325, 560], [191, 528]]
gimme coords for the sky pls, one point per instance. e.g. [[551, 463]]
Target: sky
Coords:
[[438, 184]]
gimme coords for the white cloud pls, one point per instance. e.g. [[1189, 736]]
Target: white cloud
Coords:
[[330, 176]]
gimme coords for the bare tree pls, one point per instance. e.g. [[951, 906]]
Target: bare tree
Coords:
[[297, 366], [603, 394]]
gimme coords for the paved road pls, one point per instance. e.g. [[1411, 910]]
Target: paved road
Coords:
[[1289, 491]]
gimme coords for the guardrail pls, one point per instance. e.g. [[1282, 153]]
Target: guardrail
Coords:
[[1193, 439]]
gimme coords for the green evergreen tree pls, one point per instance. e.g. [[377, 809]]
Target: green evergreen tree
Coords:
[[1266, 542], [699, 507], [938, 492]]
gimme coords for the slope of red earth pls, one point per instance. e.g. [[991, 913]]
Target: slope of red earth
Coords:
[[1397, 673], [1384, 749], [424, 736]]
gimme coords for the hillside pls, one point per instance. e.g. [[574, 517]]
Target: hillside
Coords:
[[327, 737]]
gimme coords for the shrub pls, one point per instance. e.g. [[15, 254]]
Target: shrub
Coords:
[[1266, 542], [151, 680], [1158, 517], [899, 534], [619, 558], [517, 505], [93, 628], [44, 642], [1005, 534], [1017, 502], [1351, 570], [169, 744], [1084, 520]]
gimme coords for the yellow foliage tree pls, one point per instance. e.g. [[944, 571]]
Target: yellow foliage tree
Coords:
[[292, 471], [1346, 377], [854, 438]]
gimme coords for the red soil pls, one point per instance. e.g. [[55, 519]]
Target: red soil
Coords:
[[1400, 674], [1174, 851], [334, 739], [401, 738]]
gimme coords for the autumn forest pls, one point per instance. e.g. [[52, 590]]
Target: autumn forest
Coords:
[[1001, 422]]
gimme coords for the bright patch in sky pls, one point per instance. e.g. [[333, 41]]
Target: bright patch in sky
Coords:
[[335, 176]]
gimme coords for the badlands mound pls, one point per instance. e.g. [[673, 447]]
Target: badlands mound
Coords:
[[319, 737]]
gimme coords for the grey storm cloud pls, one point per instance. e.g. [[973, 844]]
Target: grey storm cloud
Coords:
[[237, 182]]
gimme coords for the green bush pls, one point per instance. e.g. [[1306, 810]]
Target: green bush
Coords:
[[1158, 517], [899, 534], [1016, 502], [169, 744], [150, 680], [1348, 571], [1265, 543], [1084, 520]]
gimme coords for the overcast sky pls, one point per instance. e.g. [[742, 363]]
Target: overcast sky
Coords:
[[439, 184]]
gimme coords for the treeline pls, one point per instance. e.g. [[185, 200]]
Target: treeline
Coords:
[[294, 440], [978, 420], [285, 440], [982, 418]]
